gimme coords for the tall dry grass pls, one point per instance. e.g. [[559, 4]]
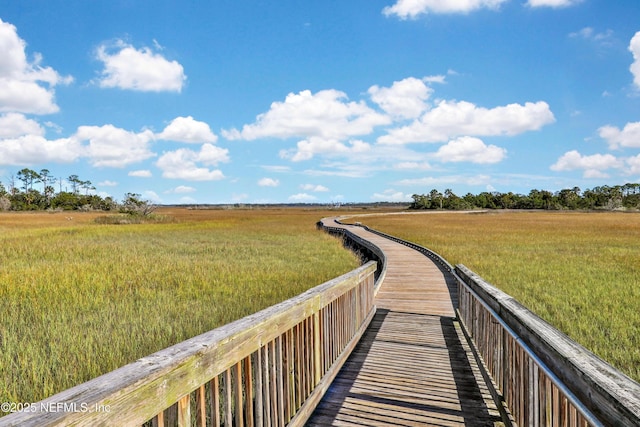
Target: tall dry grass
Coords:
[[79, 299]]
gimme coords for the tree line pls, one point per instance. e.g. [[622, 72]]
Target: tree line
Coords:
[[29, 190], [605, 197]]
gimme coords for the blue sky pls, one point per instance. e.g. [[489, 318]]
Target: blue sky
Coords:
[[320, 101]]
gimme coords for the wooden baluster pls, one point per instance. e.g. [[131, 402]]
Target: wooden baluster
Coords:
[[248, 379], [201, 407], [266, 385], [259, 406], [239, 412], [184, 411], [215, 401], [228, 398]]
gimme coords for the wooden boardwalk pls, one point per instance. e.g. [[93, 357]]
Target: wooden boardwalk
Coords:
[[413, 366]]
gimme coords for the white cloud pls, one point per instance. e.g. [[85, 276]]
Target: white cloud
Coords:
[[326, 115], [211, 155], [308, 148], [35, 149], [126, 67], [268, 182], [114, 147], [451, 118], [412, 166], [438, 78], [183, 163], [20, 80], [152, 196], [627, 137], [13, 125], [404, 99], [391, 196], [108, 183], [592, 166], [301, 198], [412, 8], [634, 47], [588, 33], [313, 187], [141, 173], [552, 3], [276, 169], [186, 129], [470, 149], [181, 189]]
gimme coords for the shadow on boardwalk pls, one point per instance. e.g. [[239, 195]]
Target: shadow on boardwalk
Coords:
[[408, 370]]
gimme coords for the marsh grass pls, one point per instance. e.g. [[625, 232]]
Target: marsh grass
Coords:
[[79, 299], [578, 271]]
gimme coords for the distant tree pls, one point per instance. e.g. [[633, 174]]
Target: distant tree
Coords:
[[28, 177], [436, 199], [75, 183], [134, 205]]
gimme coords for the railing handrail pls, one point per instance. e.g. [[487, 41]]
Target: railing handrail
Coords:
[[135, 393]]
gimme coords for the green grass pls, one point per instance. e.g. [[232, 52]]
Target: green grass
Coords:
[[578, 271], [79, 299]]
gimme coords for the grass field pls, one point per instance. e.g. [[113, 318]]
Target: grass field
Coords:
[[79, 299], [578, 271]]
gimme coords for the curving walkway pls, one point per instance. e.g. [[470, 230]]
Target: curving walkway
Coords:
[[413, 366]]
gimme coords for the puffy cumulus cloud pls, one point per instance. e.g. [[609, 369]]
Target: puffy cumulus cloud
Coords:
[[391, 196], [21, 80], [189, 130], [114, 147], [454, 118], [326, 114], [470, 149], [302, 198], [126, 67], [313, 187], [35, 149], [187, 164], [144, 173], [629, 136], [593, 166], [268, 182], [13, 125], [412, 8], [634, 47], [404, 99], [308, 148], [552, 3]]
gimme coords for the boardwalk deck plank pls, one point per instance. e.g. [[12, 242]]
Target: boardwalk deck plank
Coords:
[[413, 366]]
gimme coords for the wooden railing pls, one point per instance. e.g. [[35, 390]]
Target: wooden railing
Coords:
[[542, 377], [267, 369]]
